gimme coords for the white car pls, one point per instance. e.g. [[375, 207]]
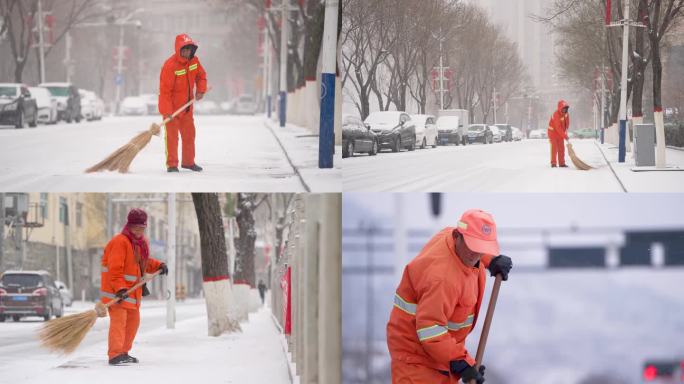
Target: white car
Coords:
[[227, 106], [245, 105], [496, 134], [517, 134], [92, 107], [206, 107], [538, 134], [67, 297], [133, 105], [426, 130], [151, 101], [47, 105]]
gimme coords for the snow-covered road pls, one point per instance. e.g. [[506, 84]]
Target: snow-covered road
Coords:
[[182, 355], [501, 167], [238, 153]]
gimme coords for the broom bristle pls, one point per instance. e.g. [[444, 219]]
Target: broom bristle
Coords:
[[64, 334], [121, 159], [581, 165]]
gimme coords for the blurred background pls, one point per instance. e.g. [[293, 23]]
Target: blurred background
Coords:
[[594, 295]]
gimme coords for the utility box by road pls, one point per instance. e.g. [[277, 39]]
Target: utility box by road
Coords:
[[644, 145]]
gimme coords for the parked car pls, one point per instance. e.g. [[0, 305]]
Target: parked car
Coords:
[[663, 371], [68, 100], [497, 137], [227, 106], [17, 106], [452, 126], [506, 132], [426, 130], [29, 293], [133, 106], [151, 102], [67, 296], [517, 134], [479, 133], [538, 134], [92, 107], [357, 137], [394, 130], [207, 107], [586, 133], [246, 105], [46, 104]]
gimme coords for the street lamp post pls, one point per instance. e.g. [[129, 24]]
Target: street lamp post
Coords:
[[326, 137], [283, 64]]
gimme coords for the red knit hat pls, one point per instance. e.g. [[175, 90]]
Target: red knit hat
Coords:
[[137, 217]]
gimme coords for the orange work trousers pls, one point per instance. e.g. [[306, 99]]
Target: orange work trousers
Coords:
[[404, 373], [185, 125], [557, 149], [123, 325]]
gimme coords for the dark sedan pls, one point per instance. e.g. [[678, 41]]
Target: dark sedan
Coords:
[[357, 137], [17, 107], [394, 130], [29, 293], [479, 133]]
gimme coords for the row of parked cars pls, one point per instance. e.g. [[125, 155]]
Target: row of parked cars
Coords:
[[32, 293], [47, 103], [396, 130], [146, 104]]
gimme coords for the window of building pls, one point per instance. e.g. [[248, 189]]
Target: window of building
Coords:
[[79, 214], [44, 206], [63, 211]]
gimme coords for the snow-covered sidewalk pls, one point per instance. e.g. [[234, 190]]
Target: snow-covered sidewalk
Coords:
[[301, 146], [647, 181], [182, 355]]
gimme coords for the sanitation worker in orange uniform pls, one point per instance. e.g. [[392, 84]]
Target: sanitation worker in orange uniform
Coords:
[[438, 300], [558, 133], [181, 75], [126, 259]]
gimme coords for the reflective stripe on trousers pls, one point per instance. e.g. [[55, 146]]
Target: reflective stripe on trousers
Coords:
[[113, 297]]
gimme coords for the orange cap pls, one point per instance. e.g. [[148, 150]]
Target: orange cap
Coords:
[[479, 231]]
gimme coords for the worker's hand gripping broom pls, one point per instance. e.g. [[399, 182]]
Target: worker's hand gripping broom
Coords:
[[487, 323], [64, 334], [120, 160]]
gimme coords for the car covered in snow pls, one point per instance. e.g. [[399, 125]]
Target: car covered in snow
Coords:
[[479, 133], [17, 106], [517, 134], [394, 130], [46, 104], [29, 293], [497, 136], [357, 137], [586, 133], [246, 105], [133, 106], [92, 107], [68, 100], [538, 134], [506, 132], [206, 107], [426, 130], [151, 101]]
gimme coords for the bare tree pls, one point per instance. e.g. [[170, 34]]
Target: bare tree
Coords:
[[216, 278]]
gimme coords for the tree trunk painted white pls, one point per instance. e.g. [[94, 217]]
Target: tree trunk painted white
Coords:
[[660, 139], [220, 307], [312, 106]]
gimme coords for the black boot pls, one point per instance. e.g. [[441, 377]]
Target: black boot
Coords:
[[193, 167], [131, 359], [172, 169], [119, 360]]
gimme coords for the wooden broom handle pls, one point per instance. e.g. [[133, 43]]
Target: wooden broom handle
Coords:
[[487, 324], [179, 110], [137, 285]]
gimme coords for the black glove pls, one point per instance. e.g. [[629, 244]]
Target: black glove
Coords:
[[467, 372], [501, 265], [121, 294], [164, 269], [145, 291]]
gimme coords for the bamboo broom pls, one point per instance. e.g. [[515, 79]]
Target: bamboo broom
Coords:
[[581, 165], [121, 159], [64, 334]]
